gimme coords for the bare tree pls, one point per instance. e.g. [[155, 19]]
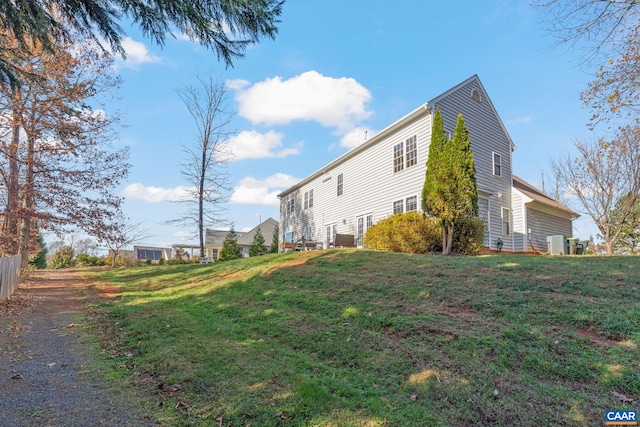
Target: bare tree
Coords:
[[603, 176], [601, 24], [120, 233], [203, 168]]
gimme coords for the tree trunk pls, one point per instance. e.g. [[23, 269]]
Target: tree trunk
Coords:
[[10, 224], [27, 206], [447, 238]]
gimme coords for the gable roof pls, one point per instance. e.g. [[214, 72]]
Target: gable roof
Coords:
[[215, 238], [476, 79], [266, 228], [538, 196], [422, 110]]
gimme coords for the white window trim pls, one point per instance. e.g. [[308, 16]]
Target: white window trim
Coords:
[[393, 206], [493, 163], [406, 151], [400, 158], [506, 221]]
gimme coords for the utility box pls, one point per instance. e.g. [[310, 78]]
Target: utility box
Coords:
[[557, 245], [573, 245]]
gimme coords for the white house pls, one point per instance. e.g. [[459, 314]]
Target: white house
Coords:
[[385, 175]]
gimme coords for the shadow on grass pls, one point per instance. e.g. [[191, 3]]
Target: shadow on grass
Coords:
[[352, 337]]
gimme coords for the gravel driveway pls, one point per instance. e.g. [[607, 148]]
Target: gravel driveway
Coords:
[[44, 376]]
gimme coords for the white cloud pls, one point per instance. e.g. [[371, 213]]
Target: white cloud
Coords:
[[183, 236], [152, 194], [333, 102], [252, 191], [137, 54], [237, 84], [256, 145], [520, 120], [356, 137]]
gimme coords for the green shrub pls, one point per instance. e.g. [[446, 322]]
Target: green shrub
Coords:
[[415, 233], [468, 236], [161, 261], [63, 258], [410, 232], [86, 260]]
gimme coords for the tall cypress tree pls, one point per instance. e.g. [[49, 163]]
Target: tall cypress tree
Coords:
[[449, 192]]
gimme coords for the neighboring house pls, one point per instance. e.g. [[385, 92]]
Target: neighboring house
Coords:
[[385, 175], [151, 252], [215, 238]]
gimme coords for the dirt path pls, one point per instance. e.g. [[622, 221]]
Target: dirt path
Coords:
[[44, 379]]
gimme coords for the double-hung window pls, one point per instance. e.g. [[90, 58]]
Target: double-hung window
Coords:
[[340, 185], [412, 151], [405, 154], [497, 164], [506, 222], [398, 157], [412, 204], [398, 206]]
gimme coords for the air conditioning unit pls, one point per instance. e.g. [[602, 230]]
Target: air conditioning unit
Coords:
[[557, 245]]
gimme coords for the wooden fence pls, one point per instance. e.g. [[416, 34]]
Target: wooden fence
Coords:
[[9, 275]]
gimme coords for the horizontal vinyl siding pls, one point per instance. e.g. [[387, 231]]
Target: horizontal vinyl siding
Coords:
[[370, 186], [543, 224], [487, 136], [519, 222]]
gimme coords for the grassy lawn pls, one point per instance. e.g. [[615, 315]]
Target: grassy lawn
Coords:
[[361, 338]]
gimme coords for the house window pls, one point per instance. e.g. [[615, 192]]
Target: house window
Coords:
[[288, 237], [214, 253], [369, 221], [506, 222], [412, 151], [149, 254], [398, 157], [307, 233], [412, 204], [306, 200], [497, 164], [340, 186], [291, 204], [398, 206], [310, 198], [360, 231]]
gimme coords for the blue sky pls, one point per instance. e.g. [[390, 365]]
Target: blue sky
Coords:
[[335, 70]]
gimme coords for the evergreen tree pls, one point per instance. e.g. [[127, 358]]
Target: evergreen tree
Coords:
[[274, 248], [39, 260], [258, 244], [227, 27], [450, 191], [230, 248]]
